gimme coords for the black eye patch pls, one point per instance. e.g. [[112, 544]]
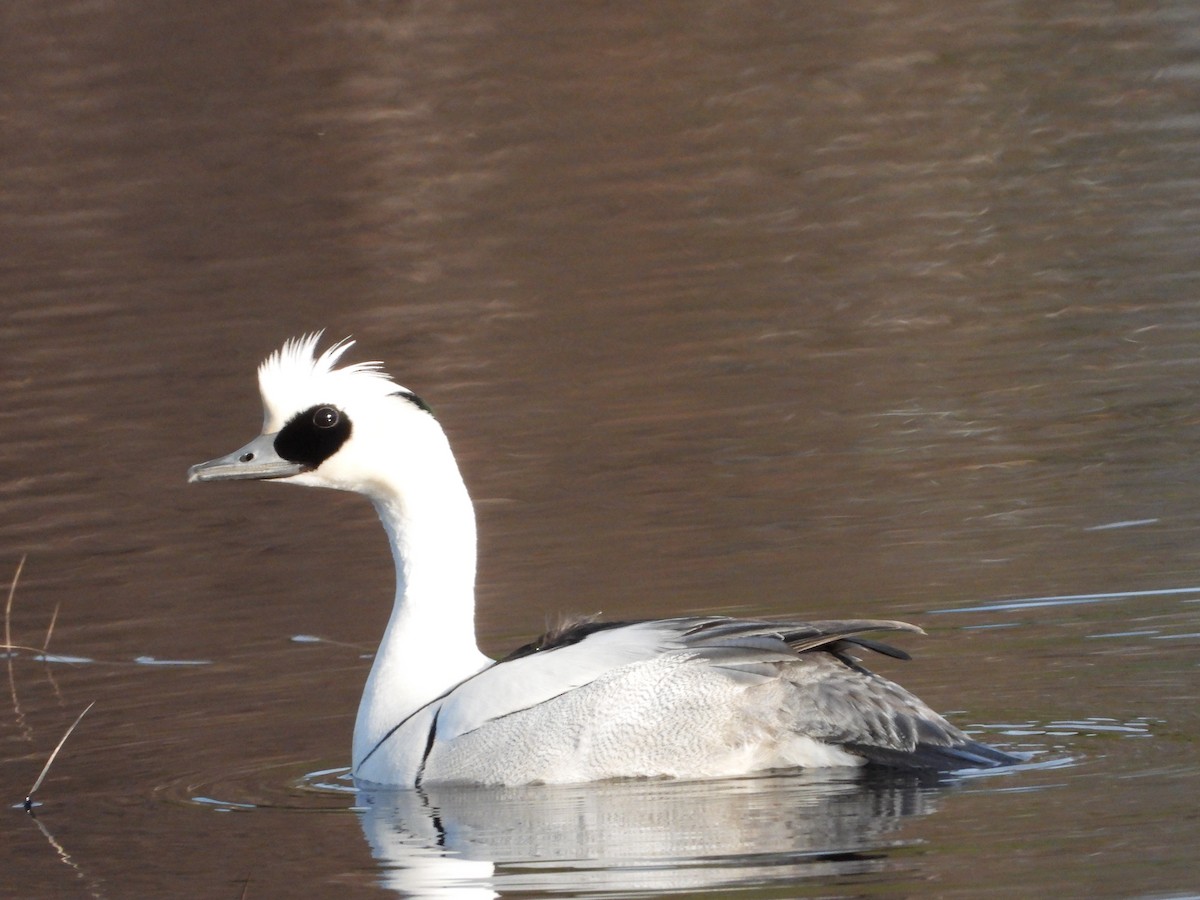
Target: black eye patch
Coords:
[[311, 437]]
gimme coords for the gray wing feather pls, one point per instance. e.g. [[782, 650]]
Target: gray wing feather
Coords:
[[826, 693]]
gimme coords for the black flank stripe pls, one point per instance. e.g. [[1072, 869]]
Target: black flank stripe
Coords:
[[429, 741]]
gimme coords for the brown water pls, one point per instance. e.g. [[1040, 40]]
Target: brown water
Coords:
[[860, 309]]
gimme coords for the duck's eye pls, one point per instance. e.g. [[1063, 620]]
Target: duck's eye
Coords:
[[312, 436], [326, 417]]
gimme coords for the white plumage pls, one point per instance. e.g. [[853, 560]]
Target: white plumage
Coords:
[[684, 697]]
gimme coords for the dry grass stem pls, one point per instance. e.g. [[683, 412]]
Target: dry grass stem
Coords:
[[12, 592], [50, 630], [46, 768]]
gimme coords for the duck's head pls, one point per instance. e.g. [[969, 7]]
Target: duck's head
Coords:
[[350, 428]]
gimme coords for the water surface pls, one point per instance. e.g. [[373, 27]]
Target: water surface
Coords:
[[859, 310]]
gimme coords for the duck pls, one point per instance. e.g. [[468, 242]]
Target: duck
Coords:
[[697, 696]]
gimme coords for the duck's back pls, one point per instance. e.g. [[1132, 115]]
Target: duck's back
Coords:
[[690, 698]]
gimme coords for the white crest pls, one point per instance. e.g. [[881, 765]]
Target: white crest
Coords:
[[294, 377]]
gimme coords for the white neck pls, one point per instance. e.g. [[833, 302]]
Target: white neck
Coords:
[[429, 643]]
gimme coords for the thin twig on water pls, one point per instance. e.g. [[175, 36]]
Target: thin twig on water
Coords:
[[46, 768], [50, 630], [12, 592]]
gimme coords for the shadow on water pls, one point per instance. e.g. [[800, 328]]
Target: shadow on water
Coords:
[[621, 837], [615, 838]]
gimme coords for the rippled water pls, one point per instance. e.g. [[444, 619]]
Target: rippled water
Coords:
[[855, 310]]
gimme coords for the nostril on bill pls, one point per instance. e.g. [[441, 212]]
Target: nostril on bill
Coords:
[[246, 457]]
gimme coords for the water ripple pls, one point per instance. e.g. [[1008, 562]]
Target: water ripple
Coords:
[[1065, 600]]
